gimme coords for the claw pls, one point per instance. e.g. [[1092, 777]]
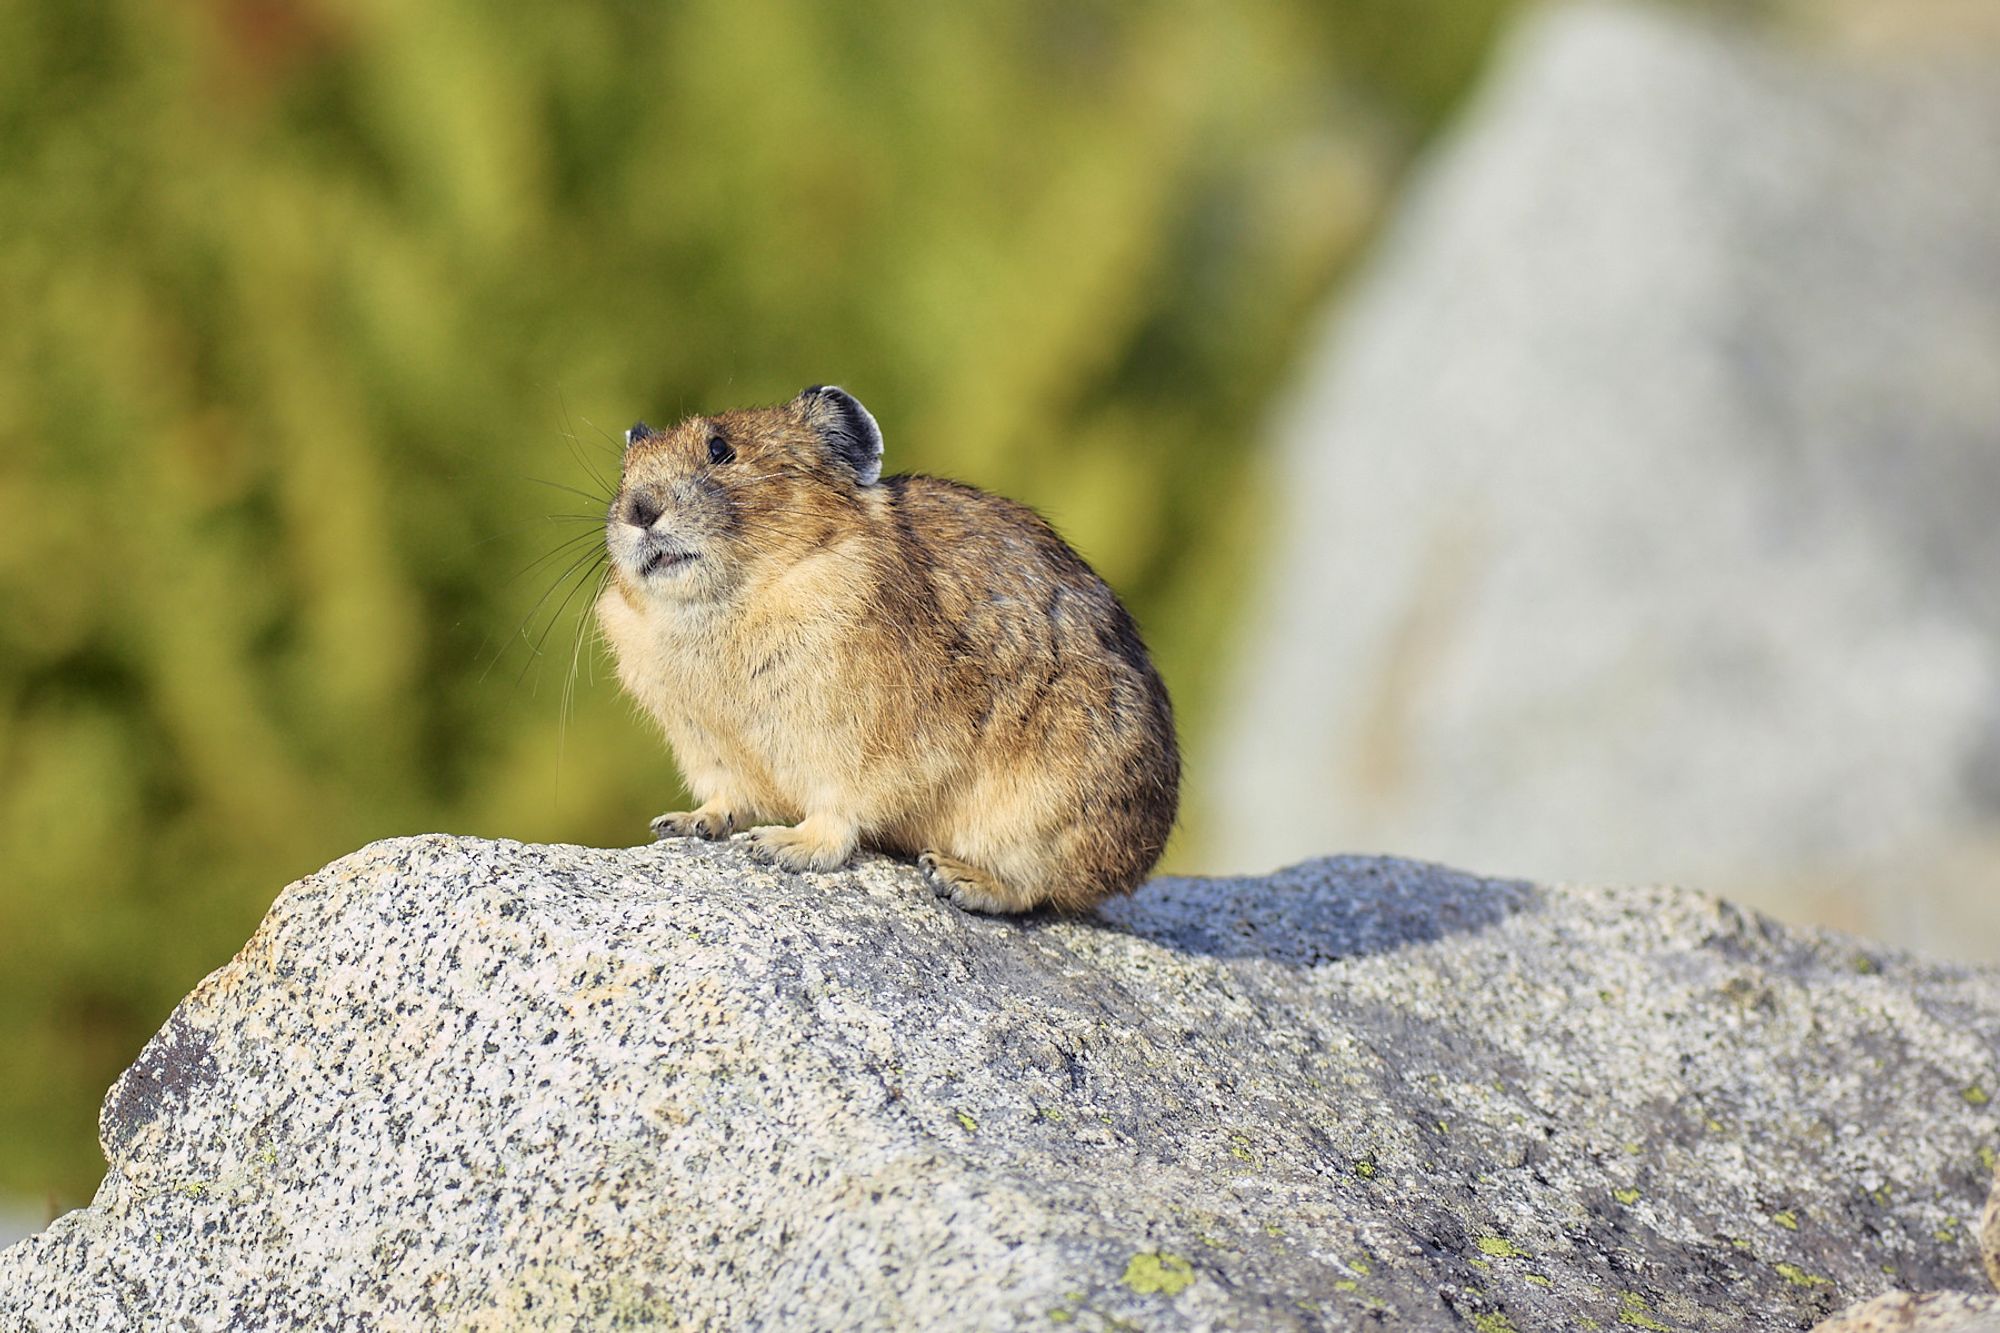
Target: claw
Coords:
[[968, 887], [708, 825], [797, 848]]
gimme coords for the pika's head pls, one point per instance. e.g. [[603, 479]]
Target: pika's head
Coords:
[[704, 504]]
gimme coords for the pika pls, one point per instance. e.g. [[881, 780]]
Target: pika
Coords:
[[841, 660]]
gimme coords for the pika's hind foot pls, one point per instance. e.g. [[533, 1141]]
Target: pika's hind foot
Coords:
[[702, 823], [816, 843], [969, 887]]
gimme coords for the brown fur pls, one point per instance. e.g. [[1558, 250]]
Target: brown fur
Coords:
[[911, 665]]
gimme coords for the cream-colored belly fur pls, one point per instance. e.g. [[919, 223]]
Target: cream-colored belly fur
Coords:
[[773, 717]]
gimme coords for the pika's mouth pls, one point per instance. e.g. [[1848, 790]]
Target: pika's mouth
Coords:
[[661, 561]]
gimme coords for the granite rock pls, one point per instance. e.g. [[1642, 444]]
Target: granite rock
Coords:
[[482, 1085], [1636, 515], [1936, 1311]]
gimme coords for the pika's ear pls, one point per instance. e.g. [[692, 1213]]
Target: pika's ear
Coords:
[[851, 435]]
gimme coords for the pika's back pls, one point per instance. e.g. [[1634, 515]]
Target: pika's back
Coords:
[[1012, 595]]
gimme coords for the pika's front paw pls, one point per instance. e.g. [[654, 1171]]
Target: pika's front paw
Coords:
[[710, 824], [969, 887], [798, 848]]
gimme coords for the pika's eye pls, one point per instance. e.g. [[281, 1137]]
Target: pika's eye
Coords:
[[719, 450]]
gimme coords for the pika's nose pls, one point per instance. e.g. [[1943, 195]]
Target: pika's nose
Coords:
[[641, 510]]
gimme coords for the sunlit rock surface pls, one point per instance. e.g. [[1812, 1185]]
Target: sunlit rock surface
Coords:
[[467, 1084]]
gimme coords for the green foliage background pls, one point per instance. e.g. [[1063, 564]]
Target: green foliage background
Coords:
[[298, 298]]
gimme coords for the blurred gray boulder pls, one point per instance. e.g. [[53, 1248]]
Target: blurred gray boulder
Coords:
[[1641, 512], [473, 1085]]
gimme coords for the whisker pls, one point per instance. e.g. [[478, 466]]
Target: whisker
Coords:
[[520, 630], [615, 441], [604, 499], [568, 545], [576, 450], [595, 520], [576, 587], [567, 708]]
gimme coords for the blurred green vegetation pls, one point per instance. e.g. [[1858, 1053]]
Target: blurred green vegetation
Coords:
[[300, 299]]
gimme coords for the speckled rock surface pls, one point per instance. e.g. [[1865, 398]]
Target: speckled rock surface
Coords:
[[465, 1084], [1936, 1311]]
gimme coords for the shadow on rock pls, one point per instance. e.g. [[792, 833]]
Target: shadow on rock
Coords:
[[1317, 912]]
